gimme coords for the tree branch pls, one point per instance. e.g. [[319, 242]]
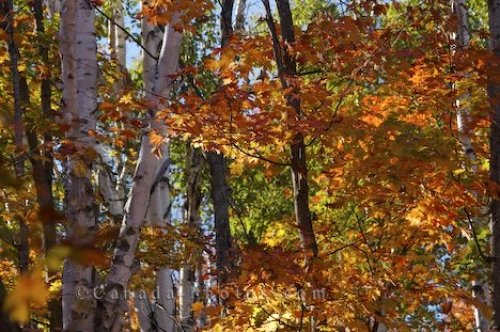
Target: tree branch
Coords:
[[258, 156], [486, 259]]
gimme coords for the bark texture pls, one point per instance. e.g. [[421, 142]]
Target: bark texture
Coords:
[[160, 203], [124, 261], [221, 194], [220, 190], [464, 119], [287, 71], [494, 96], [241, 7], [144, 312], [79, 76], [107, 183]]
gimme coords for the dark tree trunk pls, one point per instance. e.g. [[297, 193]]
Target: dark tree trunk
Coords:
[[287, 70], [21, 99], [494, 96], [221, 193], [194, 167], [42, 171]]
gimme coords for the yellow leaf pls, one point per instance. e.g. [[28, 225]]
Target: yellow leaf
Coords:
[[236, 168], [56, 256], [197, 307], [30, 291]]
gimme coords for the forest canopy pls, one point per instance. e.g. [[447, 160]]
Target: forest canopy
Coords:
[[249, 165]]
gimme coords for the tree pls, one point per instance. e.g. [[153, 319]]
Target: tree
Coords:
[[79, 76], [287, 72], [493, 93], [124, 262], [380, 110]]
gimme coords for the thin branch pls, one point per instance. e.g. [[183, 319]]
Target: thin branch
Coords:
[[240, 220], [339, 249], [276, 43], [486, 259], [258, 156]]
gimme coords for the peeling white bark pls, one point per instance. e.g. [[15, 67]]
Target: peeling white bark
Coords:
[[159, 205], [137, 204], [79, 76]]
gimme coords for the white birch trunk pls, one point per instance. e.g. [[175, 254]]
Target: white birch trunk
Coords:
[[144, 312], [112, 36], [186, 292], [165, 303], [479, 288], [159, 204], [79, 76], [120, 36], [109, 189], [241, 7], [137, 205]]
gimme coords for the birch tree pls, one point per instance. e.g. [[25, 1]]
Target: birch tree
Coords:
[[79, 76], [124, 262], [480, 288]]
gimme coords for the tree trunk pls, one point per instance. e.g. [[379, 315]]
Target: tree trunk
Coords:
[[21, 100], [241, 7], [144, 312], [164, 312], [220, 191], [124, 260], [117, 37], [109, 190], [42, 170], [192, 215], [152, 37], [79, 75], [287, 71], [160, 204], [120, 41], [221, 194], [494, 97], [463, 124]]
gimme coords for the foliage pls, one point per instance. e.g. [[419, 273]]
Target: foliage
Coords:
[[398, 208]]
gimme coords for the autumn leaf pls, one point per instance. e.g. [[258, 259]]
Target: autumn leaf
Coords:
[[30, 290], [197, 307]]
